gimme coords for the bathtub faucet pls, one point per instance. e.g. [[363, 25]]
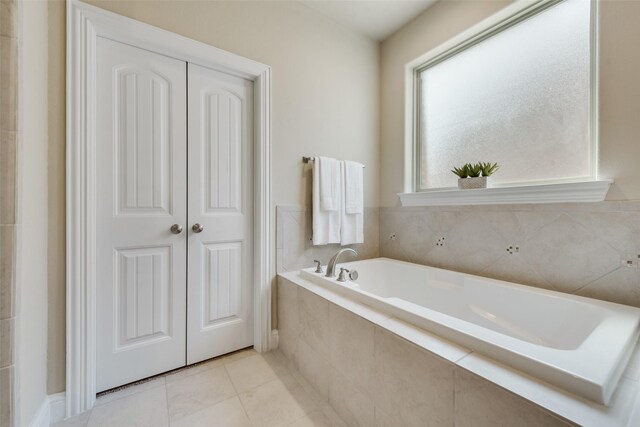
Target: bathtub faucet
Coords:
[[331, 267]]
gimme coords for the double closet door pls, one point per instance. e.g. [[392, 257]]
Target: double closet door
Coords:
[[174, 212]]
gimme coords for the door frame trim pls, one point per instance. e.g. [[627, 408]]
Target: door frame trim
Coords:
[[84, 24]]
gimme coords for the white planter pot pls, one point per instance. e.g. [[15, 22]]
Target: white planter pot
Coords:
[[471, 183]]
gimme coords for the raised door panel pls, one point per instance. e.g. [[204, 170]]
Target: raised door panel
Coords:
[[142, 141], [222, 146], [222, 284], [141, 192], [143, 299]]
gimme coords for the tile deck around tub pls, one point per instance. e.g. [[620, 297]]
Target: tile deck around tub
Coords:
[[623, 411], [245, 388]]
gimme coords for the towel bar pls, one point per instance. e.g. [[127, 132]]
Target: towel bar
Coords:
[[306, 159]]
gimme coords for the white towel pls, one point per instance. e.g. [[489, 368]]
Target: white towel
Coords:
[[326, 224], [353, 187], [329, 182], [352, 224]]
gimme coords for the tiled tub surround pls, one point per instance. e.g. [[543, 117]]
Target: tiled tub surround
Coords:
[[294, 249], [514, 324], [580, 248], [378, 370]]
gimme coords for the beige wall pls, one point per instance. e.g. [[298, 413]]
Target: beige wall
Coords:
[[325, 101], [32, 213], [619, 68], [619, 97], [57, 211]]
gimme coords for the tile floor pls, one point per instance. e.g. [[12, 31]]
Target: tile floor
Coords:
[[242, 389]]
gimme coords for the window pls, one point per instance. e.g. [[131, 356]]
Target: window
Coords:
[[520, 93]]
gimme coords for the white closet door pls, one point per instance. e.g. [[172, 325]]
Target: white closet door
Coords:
[[220, 277], [142, 192]]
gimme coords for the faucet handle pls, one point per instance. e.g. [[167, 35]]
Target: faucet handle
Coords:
[[343, 275], [318, 266]]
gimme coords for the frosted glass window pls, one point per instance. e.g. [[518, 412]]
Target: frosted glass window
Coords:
[[520, 98]]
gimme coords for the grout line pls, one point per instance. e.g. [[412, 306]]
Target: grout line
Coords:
[[235, 389], [455, 385], [595, 280], [166, 395]]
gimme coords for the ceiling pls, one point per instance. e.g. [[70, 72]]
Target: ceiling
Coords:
[[376, 19]]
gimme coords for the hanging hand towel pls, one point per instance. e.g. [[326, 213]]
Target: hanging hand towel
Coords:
[[353, 186], [352, 224], [326, 223], [329, 183]]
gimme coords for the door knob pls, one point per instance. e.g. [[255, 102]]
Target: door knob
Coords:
[[197, 228], [176, 229]]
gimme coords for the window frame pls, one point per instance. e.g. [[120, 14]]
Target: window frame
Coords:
[[500, 21]]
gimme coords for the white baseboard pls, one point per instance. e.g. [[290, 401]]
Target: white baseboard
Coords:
[[42, 416], [275, 339], [57, 407]]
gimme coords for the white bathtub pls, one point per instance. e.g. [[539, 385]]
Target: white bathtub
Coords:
[[578, 344]]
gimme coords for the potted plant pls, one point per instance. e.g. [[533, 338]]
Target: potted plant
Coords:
[[474, 175]]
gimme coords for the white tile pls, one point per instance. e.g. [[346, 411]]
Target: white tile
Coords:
[[147, 408], [7, 388], [383, 419], [318, 419], [250, 372], [277, 403], [193, 370], [568, 406], [77, 421], [621, 286], [568, 255], [228, 413], [7, 347], [514, 268], [351, 347], [314, 367], [311, 392], [412, 384], [480, 403], [7, 270], [620, 229], [197, 392], [277, 362], [353, 407], [314, 320], [288, 321], [237, 355]]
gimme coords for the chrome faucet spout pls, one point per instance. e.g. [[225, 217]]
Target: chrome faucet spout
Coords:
[[331, 266]]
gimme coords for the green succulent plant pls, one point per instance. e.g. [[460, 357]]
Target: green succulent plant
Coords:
[[489, 168], [475, 170], [462, 172]]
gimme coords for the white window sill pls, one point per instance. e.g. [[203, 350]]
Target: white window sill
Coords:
[[585, 191]]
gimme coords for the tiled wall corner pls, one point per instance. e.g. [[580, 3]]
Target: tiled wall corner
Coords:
[[577, 248], [9, 147], [288, 322], [294, 249], [372, 377]]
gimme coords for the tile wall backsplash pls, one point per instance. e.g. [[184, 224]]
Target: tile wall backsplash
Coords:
[[588, 249], [293, 239]]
